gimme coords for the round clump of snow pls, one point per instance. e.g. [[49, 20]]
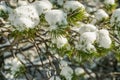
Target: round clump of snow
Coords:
[[79, 71], [115, 18], [109, 2], [24, 17], [73, 5], [88, 37], [85, 42], [60, 41], [87, 28], [67, 72], [56, 18], [42, 6], [63, 63], [101, 15], [103, 38], [13, 64], [89, 48]]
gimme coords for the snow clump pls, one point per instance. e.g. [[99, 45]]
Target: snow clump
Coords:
[[56, 18], [24, 17], [109, 2], [42, 6], [103, 38], [60, 41], [73, 5], [115, 18], [87, 28], [79, 71], [67, 72], [100, 15]]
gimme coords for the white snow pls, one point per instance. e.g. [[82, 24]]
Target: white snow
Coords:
[[24, 17], [109, 2], [56, 18], [87, 28], [100, 15], [60, 41], [73, 5], [79, 71], [115, 18], [42, 6], [67, 72], [103, 38]]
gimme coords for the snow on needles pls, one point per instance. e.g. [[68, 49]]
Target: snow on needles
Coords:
[[103, 38], [42, 6], [88, 37], [100, 15], [60, 41], [87, 28], [24, 17], [115, 18], [16, 64], [73, 5], [56, 18], [67, 72], [27, 16], [86, 41], [89, 34], [109, 2], [79, 71]]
